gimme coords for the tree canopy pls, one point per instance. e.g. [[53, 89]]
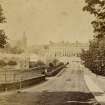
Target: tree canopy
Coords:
[[94, 58], [2, 33], [2, 18], [97, 8]]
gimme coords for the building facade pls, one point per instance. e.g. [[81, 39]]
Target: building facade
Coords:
[[65, 49]]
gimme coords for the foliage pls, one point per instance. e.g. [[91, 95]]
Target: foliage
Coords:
[[60, 64], [40, 63], [94, 58], [2, 18], [2, 33], [51, 64], [32, 64], [97, 8], [16, 50], [2, 39], [12, 63], [3, 63], [55, 61]]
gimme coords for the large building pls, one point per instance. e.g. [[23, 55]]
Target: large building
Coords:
[[65, 49]]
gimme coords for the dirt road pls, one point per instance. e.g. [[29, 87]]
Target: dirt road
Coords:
[[67, 88]]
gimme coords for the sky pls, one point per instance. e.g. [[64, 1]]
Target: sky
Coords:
[[47, 20]]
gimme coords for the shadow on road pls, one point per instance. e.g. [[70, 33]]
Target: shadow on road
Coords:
[[67, 98], [50, 98]]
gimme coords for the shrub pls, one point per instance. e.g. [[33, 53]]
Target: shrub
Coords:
[[3, 63], [94, 58], [61, 63], [32, 64], [12, 63], [51, 64], [40, 63], [55, 62]]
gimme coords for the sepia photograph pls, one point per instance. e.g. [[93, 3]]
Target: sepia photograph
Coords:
[[52, 52]]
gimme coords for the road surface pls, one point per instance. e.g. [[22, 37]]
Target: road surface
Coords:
[[67, 88]]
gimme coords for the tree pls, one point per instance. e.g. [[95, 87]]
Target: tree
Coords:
[[94, 58], [2, 18], [16, 50], [3, 38], [97, 8], [2, 33]]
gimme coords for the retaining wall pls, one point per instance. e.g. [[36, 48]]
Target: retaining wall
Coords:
[[21, 84]]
